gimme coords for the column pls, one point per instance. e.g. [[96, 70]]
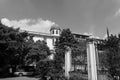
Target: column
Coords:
[[91, 60], [67, 62]]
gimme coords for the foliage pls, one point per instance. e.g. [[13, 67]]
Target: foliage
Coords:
[[12, 46], [37, 51], [112, 55], [75, 77], [78, 48], [49, 69], [43, 68], [54, 68], [65, 40]]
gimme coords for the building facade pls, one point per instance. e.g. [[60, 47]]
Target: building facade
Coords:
[[55, 31], [49, 38]]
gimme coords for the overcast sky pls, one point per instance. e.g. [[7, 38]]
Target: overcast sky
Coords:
[[81, 16]]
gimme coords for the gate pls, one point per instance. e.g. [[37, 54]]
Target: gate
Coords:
[[84, 61]]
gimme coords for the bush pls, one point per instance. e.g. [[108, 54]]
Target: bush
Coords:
[[77, 78], [47, 69]]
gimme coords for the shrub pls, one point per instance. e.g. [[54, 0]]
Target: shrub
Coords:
[[77, 78]]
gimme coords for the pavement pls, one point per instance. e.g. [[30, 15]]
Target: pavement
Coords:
[[19, 78]]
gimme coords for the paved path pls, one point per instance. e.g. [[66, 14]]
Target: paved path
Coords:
[[18, 78]]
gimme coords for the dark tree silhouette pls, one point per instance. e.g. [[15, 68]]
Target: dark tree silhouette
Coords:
[[12, 46], [111, 56]]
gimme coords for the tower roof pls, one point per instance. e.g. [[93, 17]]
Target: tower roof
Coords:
[[55, 26], [107, 32]]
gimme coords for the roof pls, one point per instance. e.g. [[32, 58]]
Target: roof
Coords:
[[40, 34], [55, 26], [80, 35]]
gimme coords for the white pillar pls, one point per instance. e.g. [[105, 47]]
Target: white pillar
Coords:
[[91, 60], [97, 57], [67, 62]]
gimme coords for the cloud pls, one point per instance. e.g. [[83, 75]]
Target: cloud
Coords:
[[105, 36], [117, 13], [38, 25], [87, 33]]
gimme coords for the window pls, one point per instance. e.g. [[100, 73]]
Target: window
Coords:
[[53, 41], [56, 31], [53, 32]]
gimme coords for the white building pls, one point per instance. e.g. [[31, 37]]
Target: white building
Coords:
[[54, 33], [50, 37]]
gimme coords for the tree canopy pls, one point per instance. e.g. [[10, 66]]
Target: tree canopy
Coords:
[[66, 39], [111, 56], [11, 45], [37, 51]]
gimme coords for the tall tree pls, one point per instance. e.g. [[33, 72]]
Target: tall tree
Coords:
[[11, 45], [54, 68], [112, 55], [65, 40], [37, 51]]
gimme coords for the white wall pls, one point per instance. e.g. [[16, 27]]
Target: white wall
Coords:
[[38, 38], [50, 43]]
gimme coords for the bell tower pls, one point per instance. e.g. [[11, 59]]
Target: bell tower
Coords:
[[55, 30]]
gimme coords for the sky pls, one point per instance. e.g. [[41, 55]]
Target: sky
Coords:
[[81, 16]]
